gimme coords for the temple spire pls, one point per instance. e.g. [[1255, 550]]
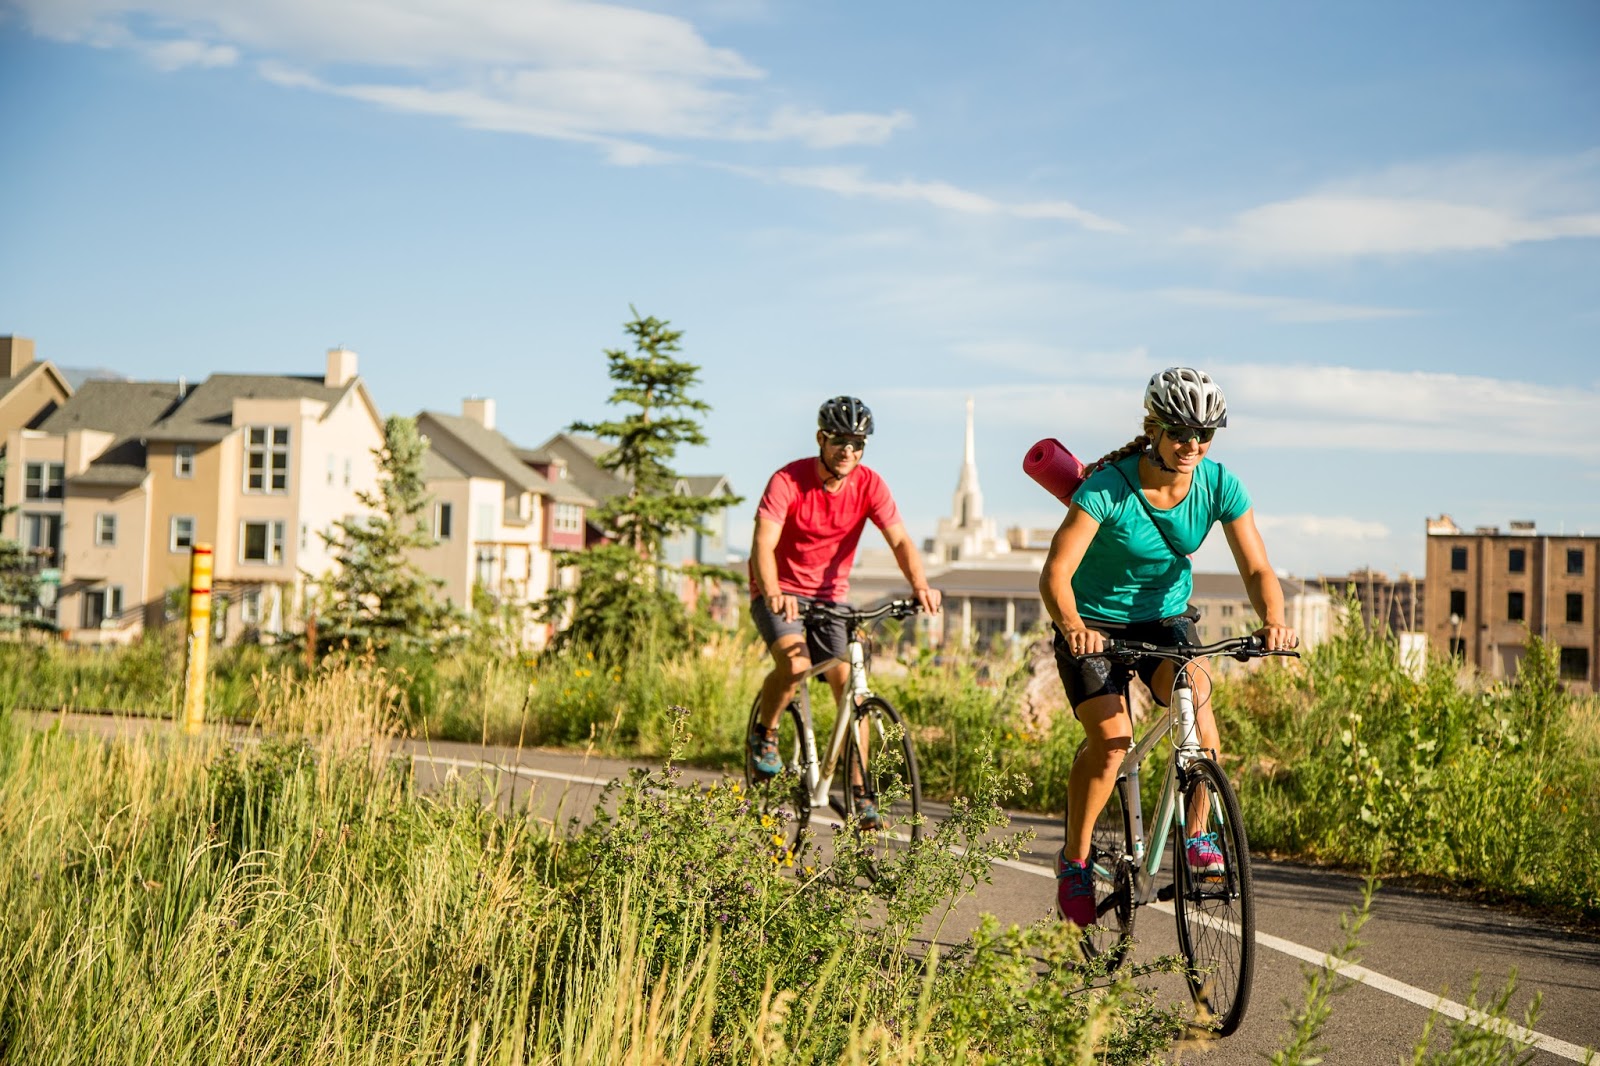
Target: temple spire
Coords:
[[967, 509]]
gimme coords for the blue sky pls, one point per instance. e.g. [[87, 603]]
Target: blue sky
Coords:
[[1377, 225]]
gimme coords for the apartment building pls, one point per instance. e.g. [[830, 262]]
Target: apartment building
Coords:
[[1393, 603], [83, 506], [499, 512], [1488, 589]]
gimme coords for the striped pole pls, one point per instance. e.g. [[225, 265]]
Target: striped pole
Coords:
[[199, 644]]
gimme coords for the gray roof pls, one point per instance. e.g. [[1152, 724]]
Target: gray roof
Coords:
[[206, 414], [125, 408], [705, 484], [500, 455], [581, 455]]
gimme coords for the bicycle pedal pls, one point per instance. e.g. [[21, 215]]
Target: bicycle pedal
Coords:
[[1166, 892]]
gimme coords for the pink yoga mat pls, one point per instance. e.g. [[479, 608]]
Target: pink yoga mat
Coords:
[[1051, 465]]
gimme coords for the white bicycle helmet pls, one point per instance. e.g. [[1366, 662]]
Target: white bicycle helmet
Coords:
[[1183, 396]]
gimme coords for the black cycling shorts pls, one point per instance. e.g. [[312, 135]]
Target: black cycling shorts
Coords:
[[1095, 675]]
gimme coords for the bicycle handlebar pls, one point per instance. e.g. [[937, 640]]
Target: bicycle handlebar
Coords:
[[843, 611], [1240, 648]]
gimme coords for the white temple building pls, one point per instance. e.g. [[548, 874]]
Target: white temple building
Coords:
[[966, 535]]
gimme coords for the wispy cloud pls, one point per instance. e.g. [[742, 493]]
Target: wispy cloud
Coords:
[[1282, 308], [1457, 206], [570, 70], [852, 182]]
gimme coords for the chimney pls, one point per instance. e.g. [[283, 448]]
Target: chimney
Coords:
[[341, 368], [480, 409], [15, 355]]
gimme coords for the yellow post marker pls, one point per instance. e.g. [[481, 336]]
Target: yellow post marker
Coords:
[[194, 673]]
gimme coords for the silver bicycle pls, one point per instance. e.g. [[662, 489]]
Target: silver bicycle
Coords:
[[869, 743], [1215, 906]]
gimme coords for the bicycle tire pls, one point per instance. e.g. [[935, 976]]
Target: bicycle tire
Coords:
[[890, 776], [1216, 916], [1111, 857], [783, 798]]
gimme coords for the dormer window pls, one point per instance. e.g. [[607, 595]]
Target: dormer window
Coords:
[[183, 461], [525, 506]]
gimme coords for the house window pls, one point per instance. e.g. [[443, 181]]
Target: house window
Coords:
[[525, 506], [347, 473], [1575, 607], [101, 605], [305, 535], [1575, 664], [44, 481], [105, 530], [488, 520], [1458, 648], [250, 607], [1574, 560], [1458, 602], [1514, 606], [266, 459], [1458, 558], [261, 542], [568, 518], [180, 533], [443, 514], [183, 461], [1227, 610], [332, 463], [1517, 560]]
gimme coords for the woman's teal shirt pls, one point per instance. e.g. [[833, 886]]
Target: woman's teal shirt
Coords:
[[1129, 574]]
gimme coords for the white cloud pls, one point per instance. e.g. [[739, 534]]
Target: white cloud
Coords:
[[851, 182], [1308, 545], [570, 70], [175, 55], [1483, 204], [1282, 308]]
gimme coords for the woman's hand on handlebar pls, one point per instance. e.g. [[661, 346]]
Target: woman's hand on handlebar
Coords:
[[1081, 640], [1278, 638]]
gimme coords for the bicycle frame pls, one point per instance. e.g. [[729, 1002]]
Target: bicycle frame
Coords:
[[1148, 849], [818, 777]]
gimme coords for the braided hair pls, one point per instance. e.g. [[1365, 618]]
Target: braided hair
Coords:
[[1143, 441]]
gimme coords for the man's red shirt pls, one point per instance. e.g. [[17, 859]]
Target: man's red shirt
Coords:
[[820, 528]]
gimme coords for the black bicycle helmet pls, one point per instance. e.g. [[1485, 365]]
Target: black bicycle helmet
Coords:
[[847, 415]]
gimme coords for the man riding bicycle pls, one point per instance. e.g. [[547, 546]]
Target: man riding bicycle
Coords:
[[808, 524]]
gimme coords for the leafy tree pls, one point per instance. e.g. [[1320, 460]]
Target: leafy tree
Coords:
[[618, 597], [378, 595]]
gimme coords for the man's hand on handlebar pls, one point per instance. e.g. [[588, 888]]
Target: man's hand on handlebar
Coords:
[[928, 599], [782, 605]]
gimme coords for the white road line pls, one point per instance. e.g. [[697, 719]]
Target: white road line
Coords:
[[1399, 989]]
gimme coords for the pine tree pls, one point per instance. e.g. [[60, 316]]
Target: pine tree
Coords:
[[378, 596], [618, 597], [18, 580]]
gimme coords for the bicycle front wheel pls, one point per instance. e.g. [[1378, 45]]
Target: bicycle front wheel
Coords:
[[782, 802], [882, 778], [1213, 897]]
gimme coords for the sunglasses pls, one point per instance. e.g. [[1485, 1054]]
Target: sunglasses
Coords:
[[855, 444], [1185, 434]]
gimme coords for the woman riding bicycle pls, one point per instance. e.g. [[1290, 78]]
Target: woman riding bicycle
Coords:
[[1119, 567]]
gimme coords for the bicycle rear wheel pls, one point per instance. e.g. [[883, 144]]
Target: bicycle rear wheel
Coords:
[[1215, 908], [1111, 857], [782, 799], [886, 774]]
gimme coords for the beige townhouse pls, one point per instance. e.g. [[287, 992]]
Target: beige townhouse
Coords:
[[497, 513], [84, 510], [258, 466]]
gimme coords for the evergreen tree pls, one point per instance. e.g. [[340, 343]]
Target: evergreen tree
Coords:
[[18, 580], [378, 595], [618, 597]]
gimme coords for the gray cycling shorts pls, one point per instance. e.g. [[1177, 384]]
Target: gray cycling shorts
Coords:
[[826, 637]]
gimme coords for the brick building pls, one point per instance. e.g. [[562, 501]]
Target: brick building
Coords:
[[1488, 589]]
